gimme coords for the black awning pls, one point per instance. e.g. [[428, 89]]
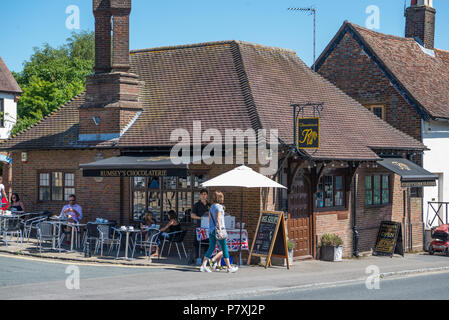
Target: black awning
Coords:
[[411, 174], [136, 167]]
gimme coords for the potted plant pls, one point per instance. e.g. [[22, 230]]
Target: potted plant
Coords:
[[331, 247], [290, 246]]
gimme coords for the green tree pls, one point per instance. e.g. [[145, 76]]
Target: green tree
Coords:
[[53, 76]]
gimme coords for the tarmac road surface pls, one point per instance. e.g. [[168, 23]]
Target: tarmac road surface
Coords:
[[25, 278]]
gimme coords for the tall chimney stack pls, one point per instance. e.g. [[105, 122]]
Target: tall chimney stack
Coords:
[[420, 22], [112, 92]]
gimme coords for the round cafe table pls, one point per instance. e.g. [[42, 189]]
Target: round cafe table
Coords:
[[128, 231]]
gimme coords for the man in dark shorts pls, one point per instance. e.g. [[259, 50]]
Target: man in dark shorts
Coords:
[[201, 208]]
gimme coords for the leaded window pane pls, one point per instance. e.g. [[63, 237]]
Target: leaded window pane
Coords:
[[56, 188], [329, 191], [376, 193], [154, 204]]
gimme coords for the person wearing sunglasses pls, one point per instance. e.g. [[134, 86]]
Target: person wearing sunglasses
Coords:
[[71, 211]]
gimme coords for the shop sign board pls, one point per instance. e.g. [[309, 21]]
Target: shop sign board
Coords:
[[308, 133], [270, 239], [389, 239]]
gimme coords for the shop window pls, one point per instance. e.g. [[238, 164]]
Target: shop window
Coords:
[[159, 195], [56, 186], [416, 192], [378, 110], [377, 190], [330, 192]]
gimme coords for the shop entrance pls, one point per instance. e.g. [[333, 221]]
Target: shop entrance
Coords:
[[300, 216]]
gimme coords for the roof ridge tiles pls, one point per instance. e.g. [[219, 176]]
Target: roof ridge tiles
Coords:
[[205, 44]]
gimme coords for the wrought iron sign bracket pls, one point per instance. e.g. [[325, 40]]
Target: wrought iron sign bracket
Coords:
[[317, 108]]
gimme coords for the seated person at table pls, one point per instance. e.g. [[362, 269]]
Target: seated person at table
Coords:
[[16, 203], [73, 212], [173, 225], [148, 220]]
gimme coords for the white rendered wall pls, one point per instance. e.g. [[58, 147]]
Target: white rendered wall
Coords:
[[436, 138], [10, 115]]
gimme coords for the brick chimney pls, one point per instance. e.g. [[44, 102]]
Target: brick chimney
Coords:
[[420, 22], [112, 92]]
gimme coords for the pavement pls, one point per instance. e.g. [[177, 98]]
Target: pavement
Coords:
[[167, 281], [30, 248]]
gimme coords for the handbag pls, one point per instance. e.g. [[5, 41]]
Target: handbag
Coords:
[[217, 230]]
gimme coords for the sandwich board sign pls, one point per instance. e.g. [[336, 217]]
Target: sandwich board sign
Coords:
[[389, 239], [270, 239]]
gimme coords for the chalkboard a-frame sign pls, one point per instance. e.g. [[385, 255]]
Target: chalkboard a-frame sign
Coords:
[[389, 239], [270, 239]]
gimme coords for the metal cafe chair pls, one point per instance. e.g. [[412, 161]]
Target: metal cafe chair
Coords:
[[31, 224], [12, 226], [151, 241], [175, 237], [45, 233], [108, 237], [92, 234]]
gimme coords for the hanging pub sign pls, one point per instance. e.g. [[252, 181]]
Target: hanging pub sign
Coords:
[[389, 239], [307, 125], [308, 133]]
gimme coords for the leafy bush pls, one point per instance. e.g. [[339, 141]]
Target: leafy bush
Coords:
[[290, 245], [53, 76], [332, 240]]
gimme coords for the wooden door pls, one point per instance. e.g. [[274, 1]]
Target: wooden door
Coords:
[[300, 215]]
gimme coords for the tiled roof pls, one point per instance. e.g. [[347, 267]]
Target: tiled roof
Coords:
[[7, 82], [59, 130], [233, 84], [423, 77]]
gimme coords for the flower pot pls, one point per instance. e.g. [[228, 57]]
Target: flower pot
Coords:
[[331, 253], [290, 258]]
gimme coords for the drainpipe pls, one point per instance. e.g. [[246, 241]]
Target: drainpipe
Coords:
[[355, 232]]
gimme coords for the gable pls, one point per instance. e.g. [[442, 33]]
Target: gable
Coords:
[[422, 80]]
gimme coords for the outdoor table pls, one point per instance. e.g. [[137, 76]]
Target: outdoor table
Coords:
[[128, 231], [233, 240], [73, 225]]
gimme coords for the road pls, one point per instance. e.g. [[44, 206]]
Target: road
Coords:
[[29, 279], [433, 286]]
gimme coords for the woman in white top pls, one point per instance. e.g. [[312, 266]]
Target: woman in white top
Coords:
[[216, 218]]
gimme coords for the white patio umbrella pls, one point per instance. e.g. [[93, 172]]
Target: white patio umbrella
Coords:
[[243, 177]]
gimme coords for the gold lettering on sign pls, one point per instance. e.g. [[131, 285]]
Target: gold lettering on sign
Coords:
[[309, 135], [133, 173]]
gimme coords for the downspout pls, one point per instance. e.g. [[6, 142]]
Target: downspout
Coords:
[[355, 232]]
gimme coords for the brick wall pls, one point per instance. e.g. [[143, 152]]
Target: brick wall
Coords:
[[98, 199], [369, 217], [351, 70]]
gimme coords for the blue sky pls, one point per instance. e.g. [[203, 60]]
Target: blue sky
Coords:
[[26, 24]]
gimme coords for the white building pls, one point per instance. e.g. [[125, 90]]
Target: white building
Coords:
[[9, 94], [435, 135]]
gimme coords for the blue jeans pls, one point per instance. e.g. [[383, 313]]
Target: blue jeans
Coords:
[[212, 244], [162, 235]]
